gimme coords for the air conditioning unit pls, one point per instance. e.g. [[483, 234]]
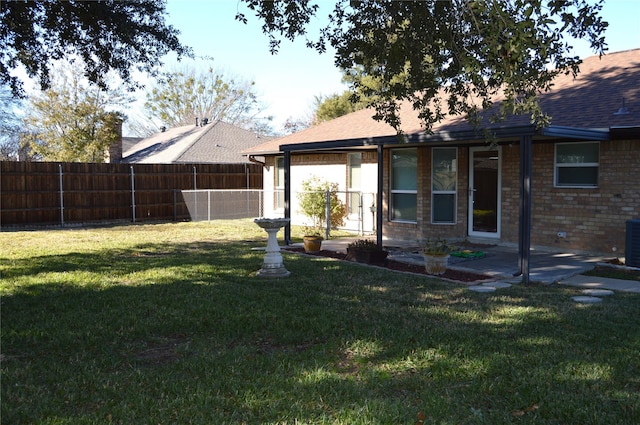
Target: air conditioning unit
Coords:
[[632, 247]]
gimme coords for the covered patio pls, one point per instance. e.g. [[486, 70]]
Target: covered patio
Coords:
[[499, 261]]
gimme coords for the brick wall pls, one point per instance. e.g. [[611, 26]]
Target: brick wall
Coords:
[[423, 229], [595, 218]]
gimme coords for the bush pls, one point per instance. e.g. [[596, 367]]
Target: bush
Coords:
[[364, 245], [313, 203]]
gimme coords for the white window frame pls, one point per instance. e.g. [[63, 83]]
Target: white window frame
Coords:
[[354, 188], [453, 192], [278, 193], [557, 166], [402, 191]]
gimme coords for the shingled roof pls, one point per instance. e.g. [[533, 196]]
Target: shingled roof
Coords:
[[217, 143], [589, 101]]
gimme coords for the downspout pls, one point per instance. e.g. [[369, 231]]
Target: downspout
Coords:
[[379, 197]]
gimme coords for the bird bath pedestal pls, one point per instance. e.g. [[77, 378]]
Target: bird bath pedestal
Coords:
[[272, 265]]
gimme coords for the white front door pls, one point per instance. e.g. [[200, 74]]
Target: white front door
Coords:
[[484, 191]]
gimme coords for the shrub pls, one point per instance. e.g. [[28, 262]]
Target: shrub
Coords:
[[313, 204]]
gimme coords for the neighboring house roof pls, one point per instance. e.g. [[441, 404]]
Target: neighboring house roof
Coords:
[[217, 142], [129, 142], [589, 101]]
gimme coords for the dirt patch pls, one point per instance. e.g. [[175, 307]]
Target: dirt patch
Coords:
[[450, 274], [615, 272], [161, 351]]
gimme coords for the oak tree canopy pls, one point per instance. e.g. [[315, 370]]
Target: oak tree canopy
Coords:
[[108, 35], [445, 57]]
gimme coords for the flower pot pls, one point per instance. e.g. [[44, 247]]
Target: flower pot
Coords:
[[312, 243], [368, 256], [436, 264]]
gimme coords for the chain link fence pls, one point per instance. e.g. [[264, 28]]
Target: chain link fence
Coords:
[[209, 204]]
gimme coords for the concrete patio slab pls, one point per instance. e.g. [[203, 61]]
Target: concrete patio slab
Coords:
[[501, 263]]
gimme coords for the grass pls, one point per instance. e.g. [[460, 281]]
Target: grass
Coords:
[[168, 324]]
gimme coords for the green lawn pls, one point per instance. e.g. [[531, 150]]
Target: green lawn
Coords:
[[167, 324]]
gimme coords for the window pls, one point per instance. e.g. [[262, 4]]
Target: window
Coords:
[[354, 181], [577, 164], [444, 184], [404, 184], [279, 192]]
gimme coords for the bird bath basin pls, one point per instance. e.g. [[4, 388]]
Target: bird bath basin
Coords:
[[272, 265]]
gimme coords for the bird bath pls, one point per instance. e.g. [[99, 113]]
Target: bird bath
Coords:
[[272, 265]]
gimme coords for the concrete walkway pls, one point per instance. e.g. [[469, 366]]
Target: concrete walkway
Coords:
[[595, 282], [501, 263]]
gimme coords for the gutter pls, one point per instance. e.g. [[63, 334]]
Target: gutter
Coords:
[[253, 159]]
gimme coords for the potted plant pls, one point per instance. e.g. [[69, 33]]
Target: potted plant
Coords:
[[366, 251], [436, 256], [313, 204], [312, 239]]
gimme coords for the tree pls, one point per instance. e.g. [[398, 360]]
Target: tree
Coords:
[[181, 97], [334, 106], [293, 125], [73, 120], [108, 35], [446, 57], [313, 204], [9, 126]]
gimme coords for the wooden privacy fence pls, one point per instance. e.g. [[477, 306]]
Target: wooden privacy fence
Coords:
[[50, 193]]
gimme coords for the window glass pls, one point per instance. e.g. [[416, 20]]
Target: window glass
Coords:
[[578, 176], [577, 164], [280, 172], [404, 166], [355, 184], [404, 184], [444, 182], [279, 195], [577, 153], [444, 207], [403, 206]]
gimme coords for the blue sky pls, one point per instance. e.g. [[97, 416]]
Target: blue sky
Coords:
[[287, 82]]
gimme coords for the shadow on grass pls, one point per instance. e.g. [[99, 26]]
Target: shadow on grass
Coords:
[[185, 333]]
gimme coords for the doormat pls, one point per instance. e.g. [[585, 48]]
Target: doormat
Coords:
[[466, 253]]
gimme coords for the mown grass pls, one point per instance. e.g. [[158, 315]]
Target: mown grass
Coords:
[[168, 324]]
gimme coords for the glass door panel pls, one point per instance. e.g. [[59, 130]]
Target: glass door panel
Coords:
[[484, 192]]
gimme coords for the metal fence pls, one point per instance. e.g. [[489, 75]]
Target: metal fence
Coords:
[[207, 205]]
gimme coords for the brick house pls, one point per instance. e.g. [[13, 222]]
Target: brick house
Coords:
[[568, 187]]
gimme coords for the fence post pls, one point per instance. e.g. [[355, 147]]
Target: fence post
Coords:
[[175, 205], [61, 195], [195, 195], [133, 196]]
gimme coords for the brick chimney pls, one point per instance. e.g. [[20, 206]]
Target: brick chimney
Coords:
[[115, 150]]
